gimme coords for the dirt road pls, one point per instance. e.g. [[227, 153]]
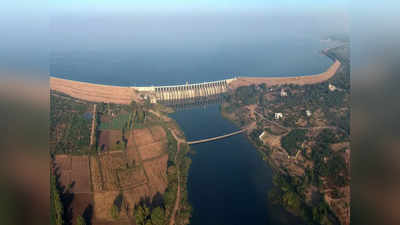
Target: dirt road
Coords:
[[178, 191]]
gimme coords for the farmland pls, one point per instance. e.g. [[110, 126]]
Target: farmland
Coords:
[[128, 165]]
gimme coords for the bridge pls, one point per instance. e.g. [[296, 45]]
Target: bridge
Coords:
[[216, 138], [174, 93]]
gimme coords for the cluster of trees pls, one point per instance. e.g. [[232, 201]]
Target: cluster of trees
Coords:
[[254, 136], [247, 95], [327, 163], [147, 216], [56, 205], [289, 192], [146, 212], [69, 129], [293, 140]]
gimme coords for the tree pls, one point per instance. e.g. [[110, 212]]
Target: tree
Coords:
[[142, 213], [157, 216], [80, 221], [56, 204], [114, 212]]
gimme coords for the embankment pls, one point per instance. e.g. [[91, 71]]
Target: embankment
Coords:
[[94, 92], [298, 80]]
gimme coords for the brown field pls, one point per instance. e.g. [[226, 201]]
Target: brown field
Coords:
[[272, 140], [156, 171], [103, 202], [158, 133], [95, 174], [134, 195], [94, 92], [299, 80], [82, 203], [64, 164], [108, 139], [80, 174], [109, 165], [74, 171], [131, 178], [152, 150], [142, 137], [138, 172]]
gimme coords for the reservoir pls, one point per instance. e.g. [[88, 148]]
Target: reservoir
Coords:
[[228, 180]]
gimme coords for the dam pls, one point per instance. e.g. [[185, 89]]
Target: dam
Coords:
[[184, 93], [177, 94]]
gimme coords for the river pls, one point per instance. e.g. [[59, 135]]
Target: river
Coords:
[[228, 180]]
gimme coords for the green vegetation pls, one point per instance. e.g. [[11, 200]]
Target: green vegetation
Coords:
[[69, 128], [332, 106], [324, 164], [148, 214], [119, 122], [80, 221], [289, 192], [292, 141], [183, 162], [114, 212], [56, 206], [142, 215], [157, 216], [247, 95]]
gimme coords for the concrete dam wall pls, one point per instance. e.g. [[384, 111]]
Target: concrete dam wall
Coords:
[[187, 92]]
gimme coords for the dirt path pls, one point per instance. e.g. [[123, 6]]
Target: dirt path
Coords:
[[275, 123], [165, 118], [178, 191], [93, 125], [179, 142], [300, 128]]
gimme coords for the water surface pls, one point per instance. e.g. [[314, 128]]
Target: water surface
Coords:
[[228, 180], [133, 66]]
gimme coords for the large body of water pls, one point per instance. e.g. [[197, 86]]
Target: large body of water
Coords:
[[135, 67], [228, 181]]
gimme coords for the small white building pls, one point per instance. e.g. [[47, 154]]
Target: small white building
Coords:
[[332, 87], [308, 113], [278, 116], [283, 93], [261, 135]]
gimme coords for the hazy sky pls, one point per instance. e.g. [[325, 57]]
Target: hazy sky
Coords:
[[185, 5], [24, 23]]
